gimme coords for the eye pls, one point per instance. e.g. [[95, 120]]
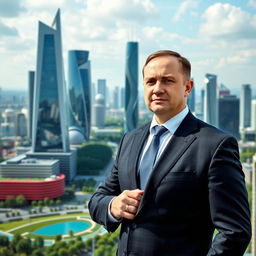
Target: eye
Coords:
[[150, 81], [168, 80]]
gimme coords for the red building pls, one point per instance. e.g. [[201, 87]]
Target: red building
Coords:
[[33, 189]]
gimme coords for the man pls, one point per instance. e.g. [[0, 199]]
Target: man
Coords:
[[170, 191]]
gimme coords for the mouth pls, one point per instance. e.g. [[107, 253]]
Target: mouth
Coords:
[[158, 100]]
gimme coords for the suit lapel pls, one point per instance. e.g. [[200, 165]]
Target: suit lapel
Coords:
[[177, 146], [137, 146]]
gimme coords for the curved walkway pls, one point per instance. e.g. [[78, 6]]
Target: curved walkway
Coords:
[[90, 229]]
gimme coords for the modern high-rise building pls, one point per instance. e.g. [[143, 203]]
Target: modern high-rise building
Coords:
[[131, 86], [229, 114], [116, 97], [253, 115], [202, 100], [31, 84], [122, 97], [99, 110], [223, 90], [102, 88], [50, 105], [79, 91], [192, 100], [50, 130], [21, 125], [210, 102], [245, 106]]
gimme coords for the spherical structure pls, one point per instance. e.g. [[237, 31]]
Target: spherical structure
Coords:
[[76, 137], [99, 99]]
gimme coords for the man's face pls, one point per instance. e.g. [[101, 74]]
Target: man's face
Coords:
[[165, 87]]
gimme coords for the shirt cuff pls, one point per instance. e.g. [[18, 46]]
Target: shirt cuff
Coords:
[[110, 216]]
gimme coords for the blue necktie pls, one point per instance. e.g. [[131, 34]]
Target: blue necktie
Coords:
[[149, 157]]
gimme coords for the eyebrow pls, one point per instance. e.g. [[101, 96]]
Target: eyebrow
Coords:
[[153, 77]]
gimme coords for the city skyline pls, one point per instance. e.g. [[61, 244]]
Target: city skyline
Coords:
[[209, 34]]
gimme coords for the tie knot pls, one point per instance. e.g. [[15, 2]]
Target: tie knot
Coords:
[[159, 130]]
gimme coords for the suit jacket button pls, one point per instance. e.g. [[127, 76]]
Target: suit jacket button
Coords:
[[134, 225]]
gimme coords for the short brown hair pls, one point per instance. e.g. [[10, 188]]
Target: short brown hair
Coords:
[[185, 64]]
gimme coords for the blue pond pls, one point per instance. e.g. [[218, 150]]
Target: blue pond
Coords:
[[62, 228]]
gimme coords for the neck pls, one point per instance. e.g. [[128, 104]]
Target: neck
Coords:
[[161, 119]]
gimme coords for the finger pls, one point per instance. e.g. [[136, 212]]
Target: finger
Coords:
[[131, 209], [135, 194], [128, 215], [133, 202]]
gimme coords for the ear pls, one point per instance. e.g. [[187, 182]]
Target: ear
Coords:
[[188, 87]]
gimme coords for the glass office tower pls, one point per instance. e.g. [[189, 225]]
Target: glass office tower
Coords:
[[49, 132], [31, 84], [131, 86], [210, 100], [79, 91], [229, 114], [245, 106]]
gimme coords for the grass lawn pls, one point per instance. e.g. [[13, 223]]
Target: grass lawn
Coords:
[[14, 224], [46, 221]]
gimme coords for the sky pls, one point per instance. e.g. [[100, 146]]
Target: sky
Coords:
[[218, 37]]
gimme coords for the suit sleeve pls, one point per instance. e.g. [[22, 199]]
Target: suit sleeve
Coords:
[[98, 204], [228, 201]]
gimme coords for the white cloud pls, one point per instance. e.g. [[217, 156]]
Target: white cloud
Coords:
[[252, 3], [228, 22], [7, 31], [183, 8], [11, 8], [240, 58]]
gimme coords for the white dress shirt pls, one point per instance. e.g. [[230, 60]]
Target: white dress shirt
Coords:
[[171, 125]]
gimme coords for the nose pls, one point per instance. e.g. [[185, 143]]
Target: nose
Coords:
[[158, 88]]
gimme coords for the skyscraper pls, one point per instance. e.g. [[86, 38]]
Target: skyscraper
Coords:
[[50, 132], [229, 114], [99, 110], [192, 100], [253, 116], [116, 97], [49, 125], [202, 100], [31, 84], [21, 125], [79, 91], [245, 106], [210, 103], [102, 88], [131, 86]]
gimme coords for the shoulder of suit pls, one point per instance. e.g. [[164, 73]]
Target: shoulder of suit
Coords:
[[139, 129], [212, 130]]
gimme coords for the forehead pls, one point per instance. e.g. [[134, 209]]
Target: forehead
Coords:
[[163, 64]]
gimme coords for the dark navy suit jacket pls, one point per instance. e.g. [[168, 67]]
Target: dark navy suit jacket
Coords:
[[197, 186]]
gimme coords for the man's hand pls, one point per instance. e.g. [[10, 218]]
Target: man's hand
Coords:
[[126, 204]]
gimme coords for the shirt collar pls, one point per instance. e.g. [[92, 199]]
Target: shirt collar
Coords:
[[171, 124]]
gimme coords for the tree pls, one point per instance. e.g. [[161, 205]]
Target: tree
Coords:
[[93, 157], [58, 238], [63, 252], [72, 250], [10, 201], [71, 233], [24, 246], [46, 201], [15, 241], [4, 251], [4, 241], [21, 201], [34, 203], [38, 242], [37, 252]]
